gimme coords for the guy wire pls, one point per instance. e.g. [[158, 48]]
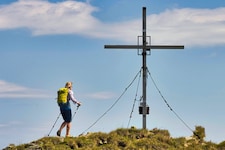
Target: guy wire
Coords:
[[168, 104], [135, 99], [111, 105]]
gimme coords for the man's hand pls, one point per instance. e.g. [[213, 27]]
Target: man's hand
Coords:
[[78, 104]]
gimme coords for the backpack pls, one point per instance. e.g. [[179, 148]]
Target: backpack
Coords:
[[62, 95]]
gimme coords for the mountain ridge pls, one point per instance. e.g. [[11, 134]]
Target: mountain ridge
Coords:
[[127, 139]]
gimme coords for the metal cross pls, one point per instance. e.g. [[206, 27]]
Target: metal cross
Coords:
[[144, 48]]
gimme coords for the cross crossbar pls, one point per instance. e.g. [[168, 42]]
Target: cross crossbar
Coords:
[[147, 47]]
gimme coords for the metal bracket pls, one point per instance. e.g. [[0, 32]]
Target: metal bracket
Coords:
[[140, 38]]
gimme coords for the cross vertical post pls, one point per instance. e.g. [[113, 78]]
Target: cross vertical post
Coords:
[[144, 67], [145, 47]]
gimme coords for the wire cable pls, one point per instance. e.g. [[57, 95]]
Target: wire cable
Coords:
[[169, 105], [111, 105], [135, 99]]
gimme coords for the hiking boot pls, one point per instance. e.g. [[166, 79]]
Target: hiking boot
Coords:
[[58, 133]]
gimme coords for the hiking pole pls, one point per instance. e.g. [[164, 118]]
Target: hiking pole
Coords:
[[54, 123], [75, 111]]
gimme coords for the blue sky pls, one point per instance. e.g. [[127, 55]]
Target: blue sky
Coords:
[[45, 43]]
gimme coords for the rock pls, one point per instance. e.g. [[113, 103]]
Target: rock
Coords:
[[33, 146], [10, 147]]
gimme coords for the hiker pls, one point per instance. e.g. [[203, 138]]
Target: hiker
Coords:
[[65, 109]]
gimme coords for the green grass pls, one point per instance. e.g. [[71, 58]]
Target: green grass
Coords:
[[121, 139]]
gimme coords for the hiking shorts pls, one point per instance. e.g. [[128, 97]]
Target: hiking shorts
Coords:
[[67, 115]]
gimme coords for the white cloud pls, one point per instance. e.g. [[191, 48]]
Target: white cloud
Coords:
[[191, 27], [101, 95], [11, 90], [3, 125], [10, 124], [43, 17]]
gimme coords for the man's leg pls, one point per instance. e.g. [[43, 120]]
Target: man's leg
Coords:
[[68, 129], [61, 127]]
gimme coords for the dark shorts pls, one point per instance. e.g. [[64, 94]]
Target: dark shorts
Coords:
[[66, 114]]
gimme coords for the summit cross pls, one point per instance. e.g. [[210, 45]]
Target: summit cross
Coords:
[[145, 47]]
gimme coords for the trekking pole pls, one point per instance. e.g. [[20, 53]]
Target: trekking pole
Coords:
[[54, 123], [75, 111]]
